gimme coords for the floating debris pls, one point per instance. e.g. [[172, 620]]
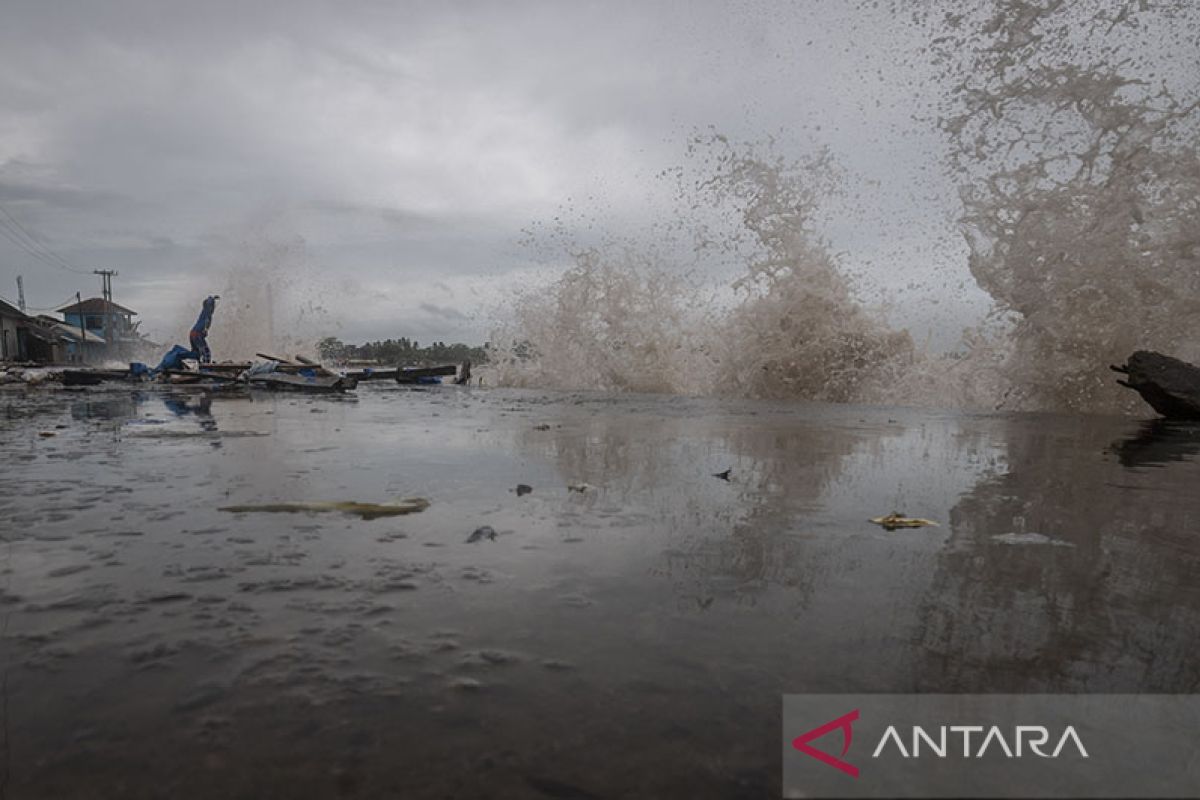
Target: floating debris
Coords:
[[523, 489], [363, 510], [481, 533], [893, 521], [1029, 538], [580, 487], [723, 475]]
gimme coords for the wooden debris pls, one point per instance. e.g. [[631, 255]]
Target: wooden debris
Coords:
[[1170, 386], [304, 383], [366, 511], [893, 521]]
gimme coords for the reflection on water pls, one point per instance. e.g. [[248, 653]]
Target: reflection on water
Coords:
[[200, 409], [1113, 612], [1158, 442], [118, 407], [629, 640]]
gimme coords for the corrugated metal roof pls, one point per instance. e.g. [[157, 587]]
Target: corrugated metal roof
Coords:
[[67, 332], [10, 310], [95, 305], [44, 334]]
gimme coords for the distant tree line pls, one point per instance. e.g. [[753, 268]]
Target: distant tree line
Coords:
[[402, 352]]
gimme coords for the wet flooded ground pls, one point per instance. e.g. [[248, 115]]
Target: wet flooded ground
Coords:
[[629, 640]]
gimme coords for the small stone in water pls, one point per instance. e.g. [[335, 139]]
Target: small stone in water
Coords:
[[481, 533]]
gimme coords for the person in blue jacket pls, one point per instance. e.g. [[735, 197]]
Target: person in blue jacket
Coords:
[[198, 338]]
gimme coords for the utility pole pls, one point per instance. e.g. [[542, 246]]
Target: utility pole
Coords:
[[106, 276], [82, 330], [21, 293]]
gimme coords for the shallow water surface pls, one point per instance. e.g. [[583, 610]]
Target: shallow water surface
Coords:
[[629, 640]]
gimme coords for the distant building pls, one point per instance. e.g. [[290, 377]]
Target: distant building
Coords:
[[110, 322], [104, 318], [31, 339], [66, 338], [108, 333], [12, 342]]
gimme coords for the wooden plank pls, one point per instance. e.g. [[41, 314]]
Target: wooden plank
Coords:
[[283, 380], [373, 375], [412, 374], [199, 376], [280, 359], [235, 368]]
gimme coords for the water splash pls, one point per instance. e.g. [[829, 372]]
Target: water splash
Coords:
[[635, 316], [619, 319], [1075, 144], [269, 298], [1074, 136], [799, 330]]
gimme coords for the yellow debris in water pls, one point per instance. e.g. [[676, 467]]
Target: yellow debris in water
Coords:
[[893, 521], [364, 510]]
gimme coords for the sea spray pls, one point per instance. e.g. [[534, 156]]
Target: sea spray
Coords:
[[631, 315], [618, 319], [1073, 132], [800, 330], [270, 297], [1075, 141]]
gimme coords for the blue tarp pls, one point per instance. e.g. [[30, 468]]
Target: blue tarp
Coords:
[[174, 359]]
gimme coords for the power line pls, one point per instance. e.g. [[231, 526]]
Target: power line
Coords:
[[21, 239], [38, 243], [11, 234], [16, 233], [57, 305]]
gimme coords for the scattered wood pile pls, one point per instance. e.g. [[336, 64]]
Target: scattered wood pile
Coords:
[[274, 373]]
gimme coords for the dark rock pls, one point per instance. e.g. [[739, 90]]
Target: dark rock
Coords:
[[481, 533], [1170, 386]]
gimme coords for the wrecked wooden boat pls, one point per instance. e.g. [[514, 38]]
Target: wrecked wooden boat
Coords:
[[94, 377], [425, 374], [300, 382], [374, 373], [273, 373], [413, 375], [301, 375], [181, 377], [1170, 386]]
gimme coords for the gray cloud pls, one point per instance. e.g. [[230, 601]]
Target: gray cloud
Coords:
[[409, 143], [444, 312]]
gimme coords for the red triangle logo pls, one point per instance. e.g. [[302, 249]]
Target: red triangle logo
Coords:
[[842, 723]]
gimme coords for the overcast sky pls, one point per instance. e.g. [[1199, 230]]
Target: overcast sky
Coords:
[[398, 149]]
